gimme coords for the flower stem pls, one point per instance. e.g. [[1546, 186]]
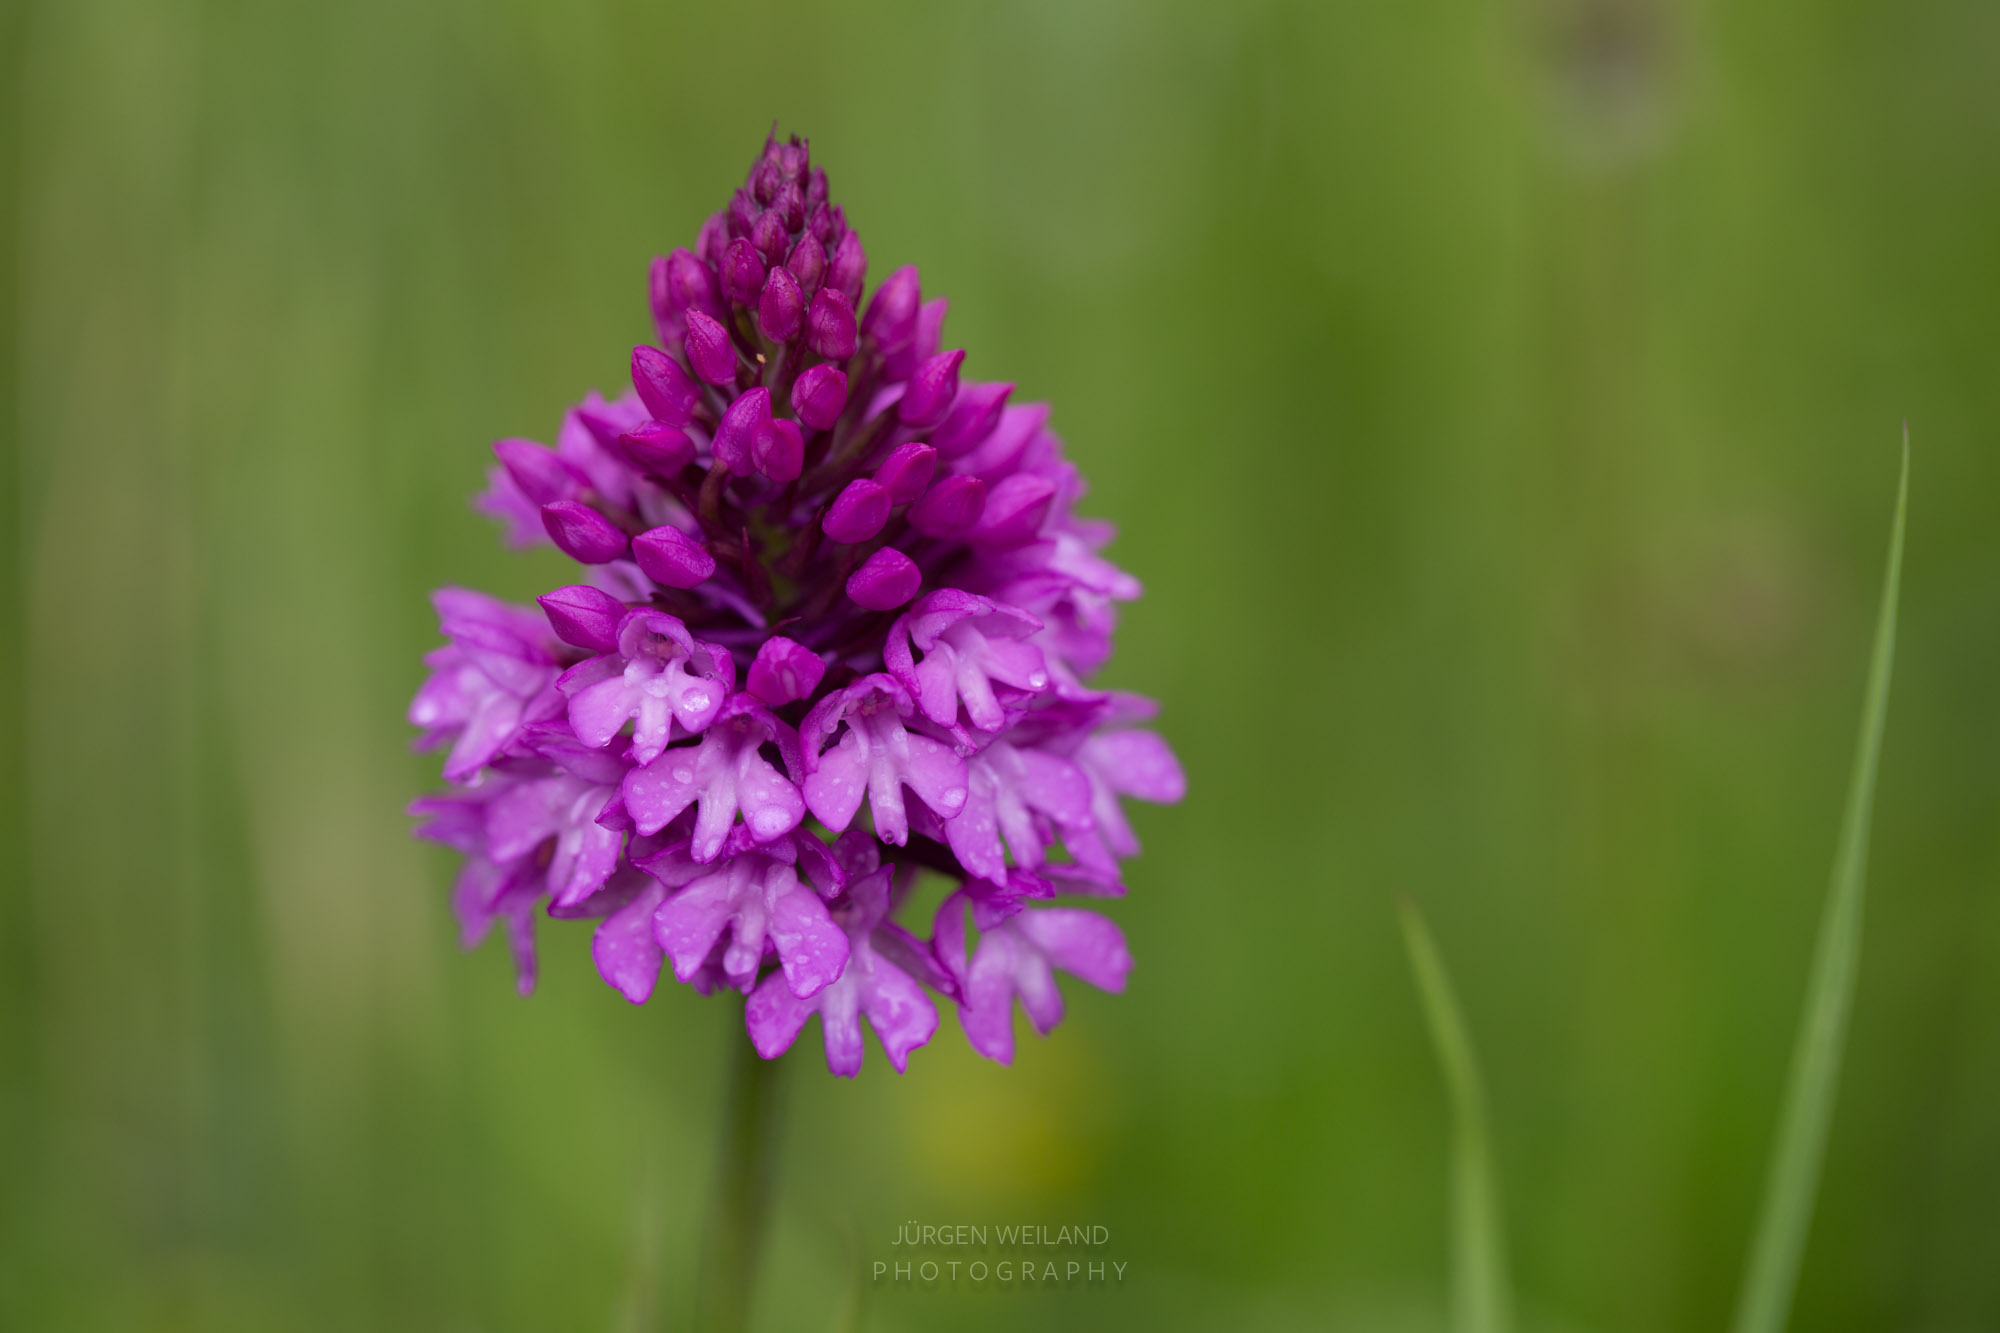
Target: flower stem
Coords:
[[746, 1166]]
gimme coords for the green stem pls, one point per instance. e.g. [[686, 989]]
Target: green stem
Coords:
[[747, 1163]]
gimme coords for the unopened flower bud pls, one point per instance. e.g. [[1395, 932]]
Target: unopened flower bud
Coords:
[[885, 581], [669, 556], [807, 263], [1014, 511], [665, 390], [929, 394], [539, 472], [789, 205], [971, 419], [848, 268], [585, 616], [892, 315], [581, 533], [906, 471], [949, 508], [709, 350], [781, 309], [780, 451], [830, 325], [747, 418], [713, 240], [742, 272], [743, 211], [657, 449], [770, 237], [819, 395], [858, 512]]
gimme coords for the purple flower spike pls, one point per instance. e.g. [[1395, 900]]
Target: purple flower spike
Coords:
[[907, 471], [949, 508], [779, 451], [656, 450], [819, 395], [665, 389], [709, 350], [585, 616], [930, 391], [885, 581], [1019, 956], [669, 556], [784, 672], [859, 512], [747, 419], [830, 325], [603, 763], [581, 533], [724, 774], [781, 309], [871, 986], [742, 272], [848, 268]]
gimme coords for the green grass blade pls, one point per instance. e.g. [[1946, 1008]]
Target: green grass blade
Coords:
[[1766, 1298], [1479, 1293]]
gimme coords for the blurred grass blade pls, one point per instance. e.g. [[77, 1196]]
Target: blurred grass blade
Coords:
[[1766, 1298], [1479, 1294]]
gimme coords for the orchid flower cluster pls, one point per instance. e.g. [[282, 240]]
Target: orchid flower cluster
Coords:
[[834, 631]]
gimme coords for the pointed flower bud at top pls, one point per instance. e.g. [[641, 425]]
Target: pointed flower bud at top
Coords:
[[815, 187], [770, 237], [780, 451], [848, 268], [929, 394], [807, 263], [585, 616], [657, 449], [819, 396], [906, 471], [885, 581], [539, 472], [581, 533], [709, 350], [781, 308], [972, 418], [949, 508], [784, 672], [669, 556], [830, 325], [664, 388], [858, 512], [892, 315], [747, 418], [742, 272]]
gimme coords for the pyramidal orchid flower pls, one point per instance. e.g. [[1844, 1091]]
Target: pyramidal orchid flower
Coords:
[[832, 628]]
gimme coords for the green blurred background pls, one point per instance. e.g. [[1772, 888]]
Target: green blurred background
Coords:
[[1501, 401]]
